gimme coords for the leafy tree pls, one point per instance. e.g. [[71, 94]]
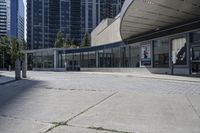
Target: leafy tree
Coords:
[[69, 43], [86, 40], [58, 42], [5, 50]]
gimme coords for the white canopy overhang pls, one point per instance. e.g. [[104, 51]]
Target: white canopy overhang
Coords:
[[143, 16]]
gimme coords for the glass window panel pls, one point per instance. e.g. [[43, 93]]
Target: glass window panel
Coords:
[[196, 37], [108, 57], [161, 53], [116, 57], [134, 56], [92, 59], [196, 53], [77, 57], [84, 59], [101, 58], [69, 61]]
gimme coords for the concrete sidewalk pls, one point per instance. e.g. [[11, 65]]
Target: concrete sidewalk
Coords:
[[80, 102], [6, 78], [153, 76]]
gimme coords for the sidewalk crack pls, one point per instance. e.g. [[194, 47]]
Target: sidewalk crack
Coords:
[[65, 123], [194, 109]]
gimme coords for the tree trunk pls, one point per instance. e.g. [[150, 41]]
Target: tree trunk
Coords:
[[17, 70], [3, 59]]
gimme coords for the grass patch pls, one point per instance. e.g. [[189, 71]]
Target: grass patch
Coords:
[[109, 130]]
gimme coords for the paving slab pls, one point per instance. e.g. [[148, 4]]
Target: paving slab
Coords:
[[67, 129], [195, 103], [141, 113], [51, 105], [13, 125]]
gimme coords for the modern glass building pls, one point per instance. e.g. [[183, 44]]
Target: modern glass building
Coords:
[[12, 18], [4, 17], [11, 24], [17, 19], [71, 17], [157, 37], [94, 11]]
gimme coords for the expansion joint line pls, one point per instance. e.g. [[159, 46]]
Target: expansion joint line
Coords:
[[65, 123], [194, 109]]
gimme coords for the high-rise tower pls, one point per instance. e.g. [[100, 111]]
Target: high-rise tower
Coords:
[[70, 17], [12, 18]]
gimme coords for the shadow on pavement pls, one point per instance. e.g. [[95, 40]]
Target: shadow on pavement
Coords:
[[11, 91]]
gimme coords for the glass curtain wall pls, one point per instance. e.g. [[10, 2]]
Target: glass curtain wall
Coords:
[[69, 61], [196, 53], [108, 58], [161, 53], [116, 57], [101, 58], [123, 62], [84, 59], [92, 59], [77, 59], [134, 56], [43, 59]]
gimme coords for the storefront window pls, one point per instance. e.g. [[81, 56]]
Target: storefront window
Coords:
[[134, 56], [196, 37], [39, 60], [92, 59], [61, 59], [101, 58], [108, 57], [196, 53], [84, 59], [69, 60], [77, 60], [124, 54], [34, 60], [179, 51], [50, 59], [161, 53], [116, 57]]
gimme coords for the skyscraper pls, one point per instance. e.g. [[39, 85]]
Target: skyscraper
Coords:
[[70, 17], [12, 18], [17, 19], [94, 11], [44, 19], [4, 17]]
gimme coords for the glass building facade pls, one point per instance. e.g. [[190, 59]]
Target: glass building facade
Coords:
[[94, 11], [4, 12], [73, 18], [17, 19], [45, 18], [180, 53], [12, 18]]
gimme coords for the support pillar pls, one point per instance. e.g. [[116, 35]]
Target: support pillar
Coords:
[[24, 66], [55, 59], [97, 59]]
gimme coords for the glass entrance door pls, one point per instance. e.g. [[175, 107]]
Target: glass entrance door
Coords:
[[196, 60]]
